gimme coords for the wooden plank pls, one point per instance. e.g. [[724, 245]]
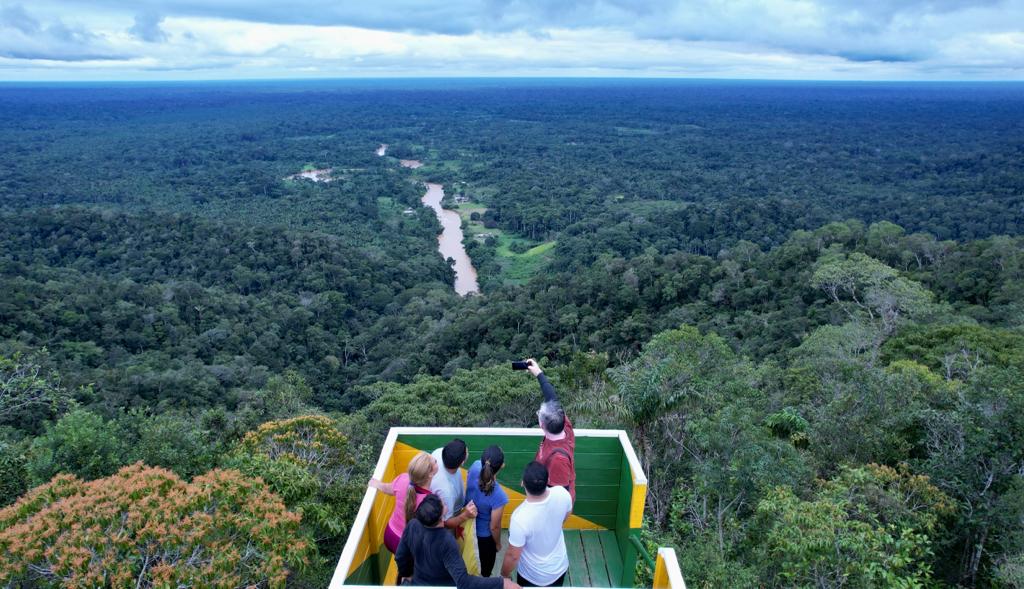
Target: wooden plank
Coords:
[[622, 529], [595, 560], [391, 576], [605, 521], [612, 555], [637, 503], [578, 574], [595, 476], [596, 492], [362, 575], [382, 560], [596, 507]]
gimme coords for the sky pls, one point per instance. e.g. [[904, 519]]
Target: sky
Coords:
[[742, 39]]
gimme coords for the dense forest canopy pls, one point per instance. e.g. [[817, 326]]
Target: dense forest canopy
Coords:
[[804, 301]]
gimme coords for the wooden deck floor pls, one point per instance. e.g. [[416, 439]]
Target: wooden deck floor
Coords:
[[594, 559]]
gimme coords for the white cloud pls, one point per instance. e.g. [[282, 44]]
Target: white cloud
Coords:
[[24, 38], [820, 39]]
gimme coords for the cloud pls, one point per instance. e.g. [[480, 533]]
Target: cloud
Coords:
[[14, 16], [858, 39], [877, 56], [26, 38], [856, 30], [147, 27]]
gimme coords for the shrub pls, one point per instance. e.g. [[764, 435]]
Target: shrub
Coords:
[[81, 443]]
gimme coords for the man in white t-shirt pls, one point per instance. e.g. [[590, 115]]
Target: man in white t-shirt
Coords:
[[536, 547], [447, 483]]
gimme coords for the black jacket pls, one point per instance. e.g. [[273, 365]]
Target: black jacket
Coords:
[[437, 560]]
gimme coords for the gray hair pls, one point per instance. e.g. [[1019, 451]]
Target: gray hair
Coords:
[[552, 417]]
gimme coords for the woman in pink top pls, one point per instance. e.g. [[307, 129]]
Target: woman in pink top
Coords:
[[409, 489]]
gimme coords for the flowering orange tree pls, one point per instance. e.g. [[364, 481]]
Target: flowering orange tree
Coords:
[[145, 527]]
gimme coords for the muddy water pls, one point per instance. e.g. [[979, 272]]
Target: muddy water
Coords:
[[449, 243]]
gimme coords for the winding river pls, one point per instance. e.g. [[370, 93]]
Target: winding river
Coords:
[[449, 243]]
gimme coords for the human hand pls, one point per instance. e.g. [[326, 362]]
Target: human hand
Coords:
[[533, 367], [508, 584], [497, 544], [470, 509]]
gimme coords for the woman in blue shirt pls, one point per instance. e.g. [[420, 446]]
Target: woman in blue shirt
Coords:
[[483, 489]]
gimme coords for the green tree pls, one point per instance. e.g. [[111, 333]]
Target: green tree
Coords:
[[871, 526], [688, 395], [869, 289], [975, 454], [308, 462], [858, 410], [81, 443], [28, 395], [13, 472], [486, 396], [172, 440]]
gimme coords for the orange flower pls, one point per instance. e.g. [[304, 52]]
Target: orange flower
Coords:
[[147, 522]]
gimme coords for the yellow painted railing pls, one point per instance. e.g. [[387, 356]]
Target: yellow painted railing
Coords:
[[611, 494], [666, 571]]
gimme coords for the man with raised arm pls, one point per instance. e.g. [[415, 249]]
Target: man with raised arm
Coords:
[[536, 546], [557, 449]]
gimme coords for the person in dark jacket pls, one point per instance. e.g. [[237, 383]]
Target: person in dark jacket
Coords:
[[428, 554]]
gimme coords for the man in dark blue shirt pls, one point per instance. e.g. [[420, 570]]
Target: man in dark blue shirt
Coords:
[[429, 555]]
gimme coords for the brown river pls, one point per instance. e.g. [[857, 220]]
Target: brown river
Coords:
[[449, 243]]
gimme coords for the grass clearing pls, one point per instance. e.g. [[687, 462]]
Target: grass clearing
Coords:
[[519, 268], [474, 228], [516, 268]]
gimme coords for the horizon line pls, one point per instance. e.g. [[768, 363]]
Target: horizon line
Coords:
[[279, 79]]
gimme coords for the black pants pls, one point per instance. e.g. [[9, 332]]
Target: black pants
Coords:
[[488, 551], [524, 582]]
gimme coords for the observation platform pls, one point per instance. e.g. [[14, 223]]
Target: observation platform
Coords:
[[602, 535]]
